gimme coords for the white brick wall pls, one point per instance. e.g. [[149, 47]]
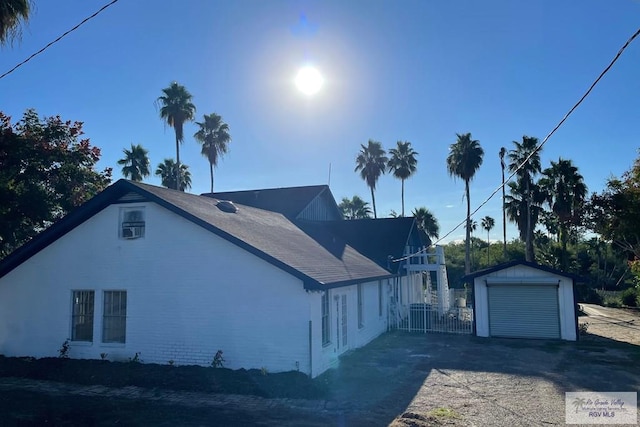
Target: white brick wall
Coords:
[[189, 294], [326, 357]]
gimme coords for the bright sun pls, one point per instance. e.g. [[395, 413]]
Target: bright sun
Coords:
[[309, 80]]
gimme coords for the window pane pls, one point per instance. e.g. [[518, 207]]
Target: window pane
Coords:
[[114, 322], [326, 334], [82, 316]]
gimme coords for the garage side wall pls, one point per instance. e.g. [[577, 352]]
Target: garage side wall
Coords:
[[521, 276]]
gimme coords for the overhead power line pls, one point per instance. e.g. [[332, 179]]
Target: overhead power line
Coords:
[[58, 39], [538, 147]]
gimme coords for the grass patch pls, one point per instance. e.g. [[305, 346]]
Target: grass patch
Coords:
[[185, 378], [444, 413]]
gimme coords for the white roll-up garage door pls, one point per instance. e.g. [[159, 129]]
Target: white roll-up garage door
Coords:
[[524, 311]]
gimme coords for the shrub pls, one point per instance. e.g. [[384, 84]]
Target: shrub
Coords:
[[589, 295], [630, 297], [63, 353], [612, 301], [218, 360]]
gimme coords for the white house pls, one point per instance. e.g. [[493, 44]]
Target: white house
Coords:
[[520, 299], [274, 280]]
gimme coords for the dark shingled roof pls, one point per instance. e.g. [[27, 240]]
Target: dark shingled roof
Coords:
[[381, 239], [322, 263], [289, 201]]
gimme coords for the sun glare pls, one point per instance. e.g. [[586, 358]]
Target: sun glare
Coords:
[[309, 80]]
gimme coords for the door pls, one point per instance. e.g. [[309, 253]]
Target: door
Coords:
[[524, 311]]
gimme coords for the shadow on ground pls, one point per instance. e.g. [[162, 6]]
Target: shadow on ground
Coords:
[[376, 384]]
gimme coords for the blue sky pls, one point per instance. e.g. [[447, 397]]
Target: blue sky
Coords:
[[418, 71]]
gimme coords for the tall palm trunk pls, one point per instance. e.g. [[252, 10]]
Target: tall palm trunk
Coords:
[[488, 245], [528, 241], [564, 240], [373, 200], [403, 198], [177, 162], [211, 172], [504, 219], [467, 241]]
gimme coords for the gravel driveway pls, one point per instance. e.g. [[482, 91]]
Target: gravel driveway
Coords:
[[419, 380]]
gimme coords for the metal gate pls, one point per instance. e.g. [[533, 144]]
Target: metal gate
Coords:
[[416, 307]]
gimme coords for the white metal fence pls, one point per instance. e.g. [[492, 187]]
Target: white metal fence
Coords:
[[423, 313]]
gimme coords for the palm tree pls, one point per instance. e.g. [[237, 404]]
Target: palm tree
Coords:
[[517, 206], [176, 108], [371, 162], [168, 172], [135, 164], [214, 137], [525, 161], [427, 222], [464, 159], [565, 192], [402, 163], [488, 223], [502, 153], [354, 208], [13, 13]]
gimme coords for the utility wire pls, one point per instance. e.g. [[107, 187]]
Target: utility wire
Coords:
[[538, 148], [58, 39]]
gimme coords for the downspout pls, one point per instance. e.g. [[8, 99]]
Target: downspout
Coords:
[[310, 349]]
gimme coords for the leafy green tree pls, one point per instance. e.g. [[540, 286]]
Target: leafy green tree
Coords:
[[488, 223], [372, 163], [524, 159], [427, 222], [214, 137], [550, 222], [565, 193], [502, 153], [614, 212], [168, 173], [46, 170], [13, 14], [464, 160], [403, 163], [354, 208], [135, 163], [176, 108]]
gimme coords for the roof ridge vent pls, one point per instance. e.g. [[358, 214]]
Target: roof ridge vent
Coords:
[[227, 206]]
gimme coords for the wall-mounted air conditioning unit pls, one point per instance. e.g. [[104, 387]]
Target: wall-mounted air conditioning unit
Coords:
[[132, 232]]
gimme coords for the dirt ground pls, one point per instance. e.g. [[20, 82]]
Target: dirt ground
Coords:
[[400, 379], [618, 324]]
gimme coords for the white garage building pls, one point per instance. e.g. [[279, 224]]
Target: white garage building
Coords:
[[520, 299]]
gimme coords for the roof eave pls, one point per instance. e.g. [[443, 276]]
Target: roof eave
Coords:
[[320, 286]]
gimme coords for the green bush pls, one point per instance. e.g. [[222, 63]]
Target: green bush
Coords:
[[587, 294], [612, 301], [630, 297]]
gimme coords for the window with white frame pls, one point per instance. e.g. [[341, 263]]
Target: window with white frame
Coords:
[[132, 222], [360, 308], [326, 325], [82, 315], [114, 317]]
